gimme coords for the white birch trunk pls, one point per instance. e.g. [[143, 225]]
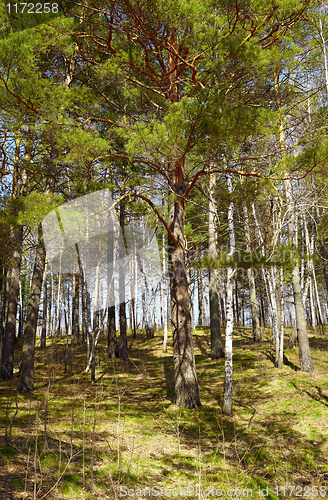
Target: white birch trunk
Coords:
[[227, 397], [280, 361]]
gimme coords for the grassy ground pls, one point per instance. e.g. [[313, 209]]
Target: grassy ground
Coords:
[[113, 439]]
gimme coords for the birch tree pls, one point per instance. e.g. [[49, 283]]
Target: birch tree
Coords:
[[228, 367]]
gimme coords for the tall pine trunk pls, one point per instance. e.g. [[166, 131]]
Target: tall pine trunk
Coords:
[[26, 374], [217, 350], [185, 378], [165, 294]]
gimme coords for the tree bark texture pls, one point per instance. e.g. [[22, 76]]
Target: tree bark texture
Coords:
[[228, 368], [201, 319], [185, 378], [165, 294], [12, 294], [217, 350], [112, 340], [280, 348], [26, 374]]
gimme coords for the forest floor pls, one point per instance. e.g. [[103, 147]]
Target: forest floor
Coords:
[[123, 434]]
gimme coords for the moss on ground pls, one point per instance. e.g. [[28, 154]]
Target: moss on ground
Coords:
[[71, 438]]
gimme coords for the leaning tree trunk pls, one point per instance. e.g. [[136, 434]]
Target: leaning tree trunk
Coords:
[[185, 378], [26, 374], [306, 364], [227, 397], [12, 294], [75, 308], [217, 350]]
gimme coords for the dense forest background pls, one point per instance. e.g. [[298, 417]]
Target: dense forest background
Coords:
[[205, 125]]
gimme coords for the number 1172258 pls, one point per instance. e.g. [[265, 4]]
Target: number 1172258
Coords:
[[32, 8], [301, 491]]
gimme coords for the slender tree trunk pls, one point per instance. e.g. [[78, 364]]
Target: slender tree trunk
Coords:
[[124, 356], [95, 324], [268, 281], [236, 301], [12, 293], [75, 308], [93, 355], [257, 336], [165, 294], [227, 397], [221, 299], [95, 320], [3, 305], [12, 276], [201, 319], [263, 315], [280, 348], [272, 282], [112, 340], [44, 309], [185, 378], [85, 302], [51, 305], [21, 314], [26, 374], [133, 314], [306, 364], [113, 351], [217, 350], [58, 304], [153, 302]]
